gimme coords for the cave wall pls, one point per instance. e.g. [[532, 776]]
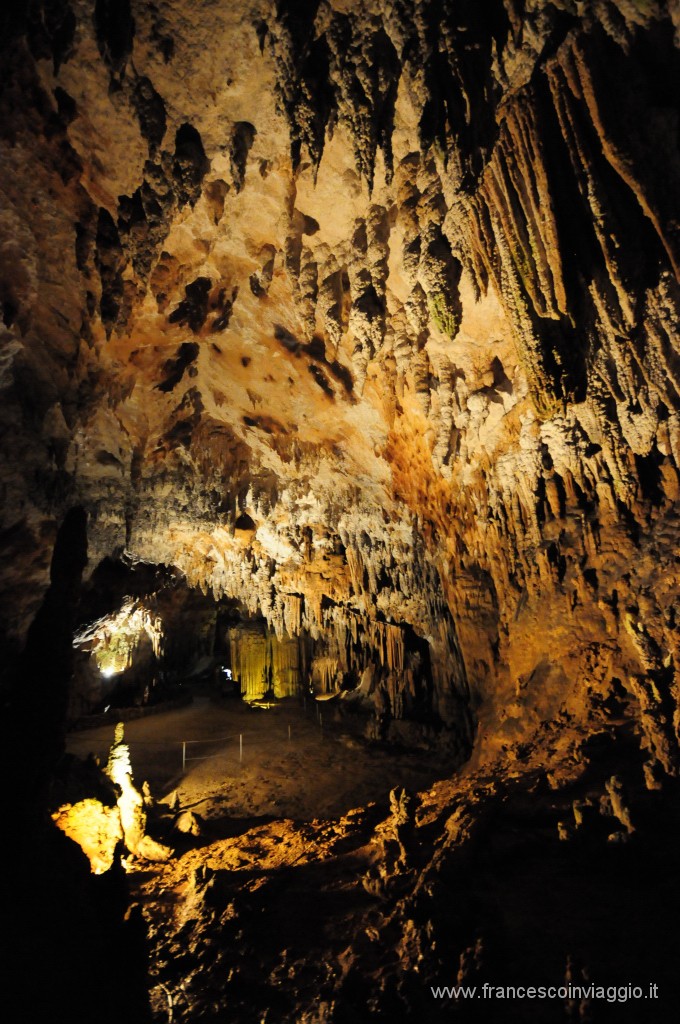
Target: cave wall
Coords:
[[395, 281]]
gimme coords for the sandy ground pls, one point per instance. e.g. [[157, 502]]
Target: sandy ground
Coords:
[[290, 768]]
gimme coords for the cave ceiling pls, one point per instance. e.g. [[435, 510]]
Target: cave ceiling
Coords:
[[396, 282]]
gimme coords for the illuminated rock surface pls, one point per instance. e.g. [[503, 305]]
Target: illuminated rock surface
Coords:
[[363, 315]]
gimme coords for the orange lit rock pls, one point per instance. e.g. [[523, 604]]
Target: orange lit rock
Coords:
[[97, 830], [360, 317]]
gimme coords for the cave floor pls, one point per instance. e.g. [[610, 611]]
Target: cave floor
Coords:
[[291, 768], [286, 837], [247, 906], [272, 913]]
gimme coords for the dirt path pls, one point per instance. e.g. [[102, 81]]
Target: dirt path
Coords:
[[290, 767]]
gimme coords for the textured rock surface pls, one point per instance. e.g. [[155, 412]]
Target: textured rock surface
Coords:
[[394, 286], [364, 314], [98, 825]]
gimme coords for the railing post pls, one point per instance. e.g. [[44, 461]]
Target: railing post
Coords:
[[184, 756], [240, 747]]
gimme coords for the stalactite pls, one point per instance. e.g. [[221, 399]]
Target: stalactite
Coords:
[[292, 613], [388, 640], [114, 640], [261, 662], [286, 667], [324, 674], [250, 662]]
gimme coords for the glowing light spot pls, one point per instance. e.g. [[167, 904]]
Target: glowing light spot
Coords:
[[114, 639]]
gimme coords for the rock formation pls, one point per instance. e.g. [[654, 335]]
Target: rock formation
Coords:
[[363, 315]]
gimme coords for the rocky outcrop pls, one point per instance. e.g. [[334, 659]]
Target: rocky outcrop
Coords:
[[112, 821], [363, 315]]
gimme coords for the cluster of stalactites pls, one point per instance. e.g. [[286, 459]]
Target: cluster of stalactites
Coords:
[[114, 639], [326, 674], [289, 615], [388, 640], [262, 663]]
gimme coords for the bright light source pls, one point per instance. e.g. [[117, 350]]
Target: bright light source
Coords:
[[114, 639]]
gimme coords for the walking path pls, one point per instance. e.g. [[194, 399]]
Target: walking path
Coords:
[[289, 766]]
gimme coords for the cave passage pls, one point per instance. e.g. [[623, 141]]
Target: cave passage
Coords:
[[145, 638], [223, 713], [339, 493]]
